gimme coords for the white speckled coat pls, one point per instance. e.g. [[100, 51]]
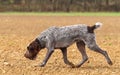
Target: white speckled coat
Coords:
[[63, 37], [60, 37]]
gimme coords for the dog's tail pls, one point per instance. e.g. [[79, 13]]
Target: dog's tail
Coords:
[[95, 26]]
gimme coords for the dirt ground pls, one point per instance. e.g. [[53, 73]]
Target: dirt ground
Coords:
[[16, 32]]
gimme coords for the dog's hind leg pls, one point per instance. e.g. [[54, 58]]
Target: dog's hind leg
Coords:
[[66, 61], [81, 48], [91, 43]]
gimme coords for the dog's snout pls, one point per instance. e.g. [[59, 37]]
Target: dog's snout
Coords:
[[26, 55]]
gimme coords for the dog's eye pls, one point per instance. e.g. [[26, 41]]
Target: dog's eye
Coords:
[[31, 48]]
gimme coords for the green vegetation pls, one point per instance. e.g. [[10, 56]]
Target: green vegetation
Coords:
[[60, 5], [62, 13]]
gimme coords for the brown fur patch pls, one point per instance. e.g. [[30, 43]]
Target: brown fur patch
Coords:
[[91, 29]]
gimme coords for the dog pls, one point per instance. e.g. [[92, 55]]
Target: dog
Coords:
[[61, 38]]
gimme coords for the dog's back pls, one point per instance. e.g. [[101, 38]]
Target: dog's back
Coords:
[[65, 36]]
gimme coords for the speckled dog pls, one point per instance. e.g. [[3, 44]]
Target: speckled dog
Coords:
[[63, 37]]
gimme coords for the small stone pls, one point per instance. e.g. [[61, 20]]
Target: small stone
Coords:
[[6, 63]]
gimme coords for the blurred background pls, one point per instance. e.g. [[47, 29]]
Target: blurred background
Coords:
[[60, 5], [21, 21]]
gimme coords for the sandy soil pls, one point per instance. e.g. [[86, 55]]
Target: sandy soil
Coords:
[[16, 32]]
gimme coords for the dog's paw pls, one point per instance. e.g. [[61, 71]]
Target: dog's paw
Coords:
[[71, 65], [110, 63], [42, 65]]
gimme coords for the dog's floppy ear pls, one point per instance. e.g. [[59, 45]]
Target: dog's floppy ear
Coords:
[[36, 40], [38, 43]]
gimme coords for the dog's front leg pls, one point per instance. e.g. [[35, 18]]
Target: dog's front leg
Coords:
[[49, 53], [50, 48]]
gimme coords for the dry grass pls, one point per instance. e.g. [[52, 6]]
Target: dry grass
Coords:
[[16, 32]]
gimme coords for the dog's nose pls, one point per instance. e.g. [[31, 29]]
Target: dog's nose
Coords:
[[26, 54]]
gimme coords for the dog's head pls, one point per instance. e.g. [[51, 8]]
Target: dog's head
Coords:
[[33, 49]]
